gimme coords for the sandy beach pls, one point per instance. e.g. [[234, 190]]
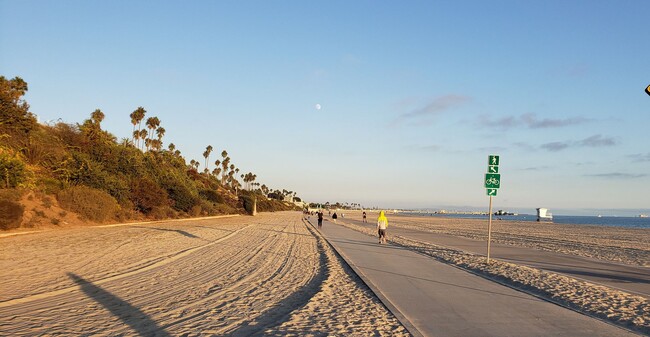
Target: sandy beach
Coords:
[[622, 245], [266, 275], [618, 244], [272, 274]]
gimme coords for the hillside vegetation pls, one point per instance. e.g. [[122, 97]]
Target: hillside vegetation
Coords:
[[81, 170]]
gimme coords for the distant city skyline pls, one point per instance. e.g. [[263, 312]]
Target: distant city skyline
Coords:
[[394, 105]]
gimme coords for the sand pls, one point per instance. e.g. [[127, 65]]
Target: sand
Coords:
[[266, 275], [617, 244], [612, 244]]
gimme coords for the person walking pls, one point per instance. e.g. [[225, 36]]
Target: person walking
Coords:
[[364, 217], [382, 224], [334, 216], [320, 219]]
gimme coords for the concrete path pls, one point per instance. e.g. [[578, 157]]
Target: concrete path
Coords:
[[435, 299], [632, 279]]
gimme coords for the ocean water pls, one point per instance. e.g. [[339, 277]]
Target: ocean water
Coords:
[[614, 221]]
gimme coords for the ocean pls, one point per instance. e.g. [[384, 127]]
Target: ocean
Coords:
[[613, 221]]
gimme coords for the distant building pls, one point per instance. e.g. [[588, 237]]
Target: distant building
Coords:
[[543, 215]]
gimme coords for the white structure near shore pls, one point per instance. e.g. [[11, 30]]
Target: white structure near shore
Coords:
[[544, 215]]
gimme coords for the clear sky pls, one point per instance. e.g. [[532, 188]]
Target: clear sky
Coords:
[[413, 95]]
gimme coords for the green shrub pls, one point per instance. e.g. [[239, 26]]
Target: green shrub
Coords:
[[90, 203], [184, 199], [224, 209], [50, 185], [211, 195], [162, 212], [147, 195], [12, 171], [195, 211], [117, 186], [12, 214], [246, 202]]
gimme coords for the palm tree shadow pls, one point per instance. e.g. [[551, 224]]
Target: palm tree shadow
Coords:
[[142, 324]]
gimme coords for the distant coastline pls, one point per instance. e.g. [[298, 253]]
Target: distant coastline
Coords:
[[610, 221], [606, 212]]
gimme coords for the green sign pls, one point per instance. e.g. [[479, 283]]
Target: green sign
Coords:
[[493, 160], [492, 192], [493, 169], [492, 180]]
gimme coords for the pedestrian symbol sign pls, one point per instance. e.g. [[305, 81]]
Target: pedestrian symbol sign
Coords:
[[492, 192], [493, 169], [493, 160]]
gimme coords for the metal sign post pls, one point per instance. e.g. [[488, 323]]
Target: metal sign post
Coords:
[[492, 184], [489, 232]]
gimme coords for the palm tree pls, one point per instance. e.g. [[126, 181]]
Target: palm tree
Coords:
[[206, 154], [224, 165], [97, 116], [156, 144], [160, 132], [136, 138], [152, 125], [136, 118], [231, 179], [143, 136], [171, 147]]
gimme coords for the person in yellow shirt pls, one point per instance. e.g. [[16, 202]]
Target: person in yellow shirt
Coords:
[[382, 224]]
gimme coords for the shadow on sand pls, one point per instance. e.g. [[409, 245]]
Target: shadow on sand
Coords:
[[130, 315], [184, 233]]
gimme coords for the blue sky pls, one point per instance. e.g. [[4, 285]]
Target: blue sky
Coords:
[[414, 95]]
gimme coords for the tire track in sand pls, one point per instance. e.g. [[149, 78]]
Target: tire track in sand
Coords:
[[256, 269], [168, 259]]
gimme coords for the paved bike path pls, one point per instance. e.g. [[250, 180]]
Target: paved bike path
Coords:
[[435, 299], [632, 279]]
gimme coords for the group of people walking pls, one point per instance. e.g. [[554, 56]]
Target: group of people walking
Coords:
[[382, 223]]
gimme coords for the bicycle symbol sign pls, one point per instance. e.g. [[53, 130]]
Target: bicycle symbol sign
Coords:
[[492, 180]]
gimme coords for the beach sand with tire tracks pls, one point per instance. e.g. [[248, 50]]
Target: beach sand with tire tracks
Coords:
[[617, 244], [272, 274]]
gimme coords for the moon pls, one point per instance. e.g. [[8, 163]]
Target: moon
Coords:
[[317, 106]]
